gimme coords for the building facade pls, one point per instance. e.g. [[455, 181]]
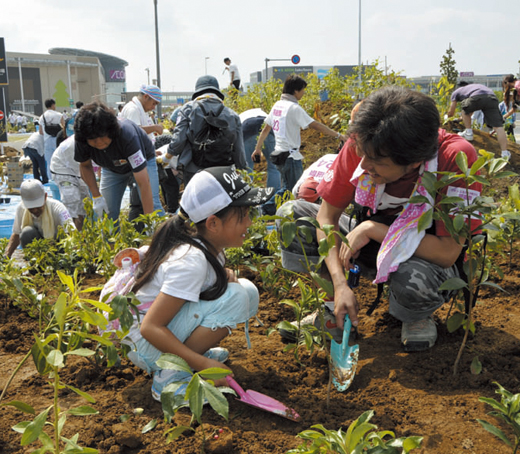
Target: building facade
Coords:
[[66, 75]]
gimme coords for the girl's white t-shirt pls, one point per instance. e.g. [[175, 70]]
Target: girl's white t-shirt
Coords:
[[184, 274]]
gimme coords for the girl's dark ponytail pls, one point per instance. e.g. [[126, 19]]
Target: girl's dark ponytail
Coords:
[[171, 234]]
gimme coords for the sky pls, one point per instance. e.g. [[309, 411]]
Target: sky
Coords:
[[194, 36]]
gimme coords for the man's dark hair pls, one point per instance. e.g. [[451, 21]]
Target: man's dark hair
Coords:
[[227, 59], [49, 103], [462, 83], [293, 83], [79, 104], [95, 120], [399, 124]]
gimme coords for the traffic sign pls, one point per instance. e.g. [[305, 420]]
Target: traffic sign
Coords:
[[295, 59], [1, 115]]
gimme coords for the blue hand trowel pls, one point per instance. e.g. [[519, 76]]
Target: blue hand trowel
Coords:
[[344, 358]]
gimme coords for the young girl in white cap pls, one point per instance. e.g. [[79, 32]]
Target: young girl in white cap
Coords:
[[190, 302]]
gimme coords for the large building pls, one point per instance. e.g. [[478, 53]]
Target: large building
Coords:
[[281, 72], [427, 83], [66, 75]]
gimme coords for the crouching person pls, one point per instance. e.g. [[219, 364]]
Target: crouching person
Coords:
[[37, 216], [189, 300], [394, 139]]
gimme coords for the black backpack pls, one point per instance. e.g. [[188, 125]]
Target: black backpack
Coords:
[[51, 129], [211, 145]]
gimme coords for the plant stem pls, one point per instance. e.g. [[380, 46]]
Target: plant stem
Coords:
[[22, 362]]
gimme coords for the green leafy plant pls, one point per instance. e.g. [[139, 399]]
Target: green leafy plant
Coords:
[[197, 393], [68, 325], [360, 437], [508, 410], [456, 214], [504, 228]]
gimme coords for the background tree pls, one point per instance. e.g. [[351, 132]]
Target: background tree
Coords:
[[447, 66]]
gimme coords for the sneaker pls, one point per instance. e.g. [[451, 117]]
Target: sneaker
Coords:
[[418, 336], [467, 134], [218, 354], [314, 319], [163, 377]]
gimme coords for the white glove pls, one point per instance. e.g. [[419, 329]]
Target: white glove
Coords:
[[506, 154], [99, 204]]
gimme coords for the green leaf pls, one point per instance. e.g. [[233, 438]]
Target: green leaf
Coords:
[[22, 406], [170, 361], [176, 432], [83, 394], [495, 431], [150, 426], [83, 410], [476, 366], [66, 280], [33, 430], [462, 162], [458, 222], [216, 399], [325, 284], [195, 397], [21, 426], [60, 309], [425, 220], [418, 199], [451, 201], [55, 358], [455, 283], [288, 233], [81, 352], [455, 322]]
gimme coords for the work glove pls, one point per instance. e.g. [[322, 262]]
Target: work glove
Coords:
[[99, 205], [165, 161]]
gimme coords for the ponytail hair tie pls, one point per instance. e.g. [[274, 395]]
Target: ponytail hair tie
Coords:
[[182, 215]]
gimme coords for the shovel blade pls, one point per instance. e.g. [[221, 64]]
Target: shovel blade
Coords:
[[344, 359], [259, 400]]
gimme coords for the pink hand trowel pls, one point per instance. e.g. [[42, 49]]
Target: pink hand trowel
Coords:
[[262, 401]]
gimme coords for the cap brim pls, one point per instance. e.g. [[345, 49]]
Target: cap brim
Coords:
[[37, 203], [209, 88], [254, 197]]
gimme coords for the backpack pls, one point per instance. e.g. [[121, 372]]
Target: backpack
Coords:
[[51, 129], [212, 144]]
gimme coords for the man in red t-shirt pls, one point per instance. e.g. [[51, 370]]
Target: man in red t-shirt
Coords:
[[394, 136]]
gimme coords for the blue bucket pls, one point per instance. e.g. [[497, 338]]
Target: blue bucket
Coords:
[[52, 189]]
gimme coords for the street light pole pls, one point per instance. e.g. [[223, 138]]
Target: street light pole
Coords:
[[206, 65], [359, 45], [159, 109], [148, 71]]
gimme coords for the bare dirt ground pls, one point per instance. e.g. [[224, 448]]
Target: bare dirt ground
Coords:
[[411, 394]]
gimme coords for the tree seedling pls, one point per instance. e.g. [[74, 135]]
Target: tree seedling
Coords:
[[508, 410]]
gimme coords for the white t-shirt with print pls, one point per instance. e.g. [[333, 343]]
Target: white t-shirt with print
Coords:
[[286, 119], [58, 211]]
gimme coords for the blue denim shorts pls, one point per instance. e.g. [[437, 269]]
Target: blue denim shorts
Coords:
[[237, 305]]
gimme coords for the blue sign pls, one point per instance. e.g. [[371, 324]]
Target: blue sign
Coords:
[[295, 59]]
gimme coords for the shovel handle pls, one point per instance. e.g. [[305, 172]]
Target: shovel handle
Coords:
[[235, 386]]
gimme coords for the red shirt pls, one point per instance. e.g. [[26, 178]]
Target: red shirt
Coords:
[[336, 188]]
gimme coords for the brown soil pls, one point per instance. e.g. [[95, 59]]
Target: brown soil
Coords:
[[411, 394]]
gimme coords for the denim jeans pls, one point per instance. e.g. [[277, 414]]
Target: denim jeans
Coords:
[[291, 172], [38, 164], [273, 175], [49, 145], [113, 186]]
